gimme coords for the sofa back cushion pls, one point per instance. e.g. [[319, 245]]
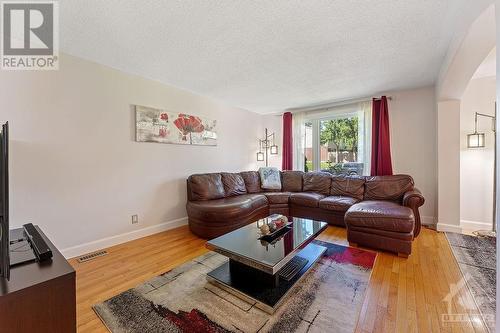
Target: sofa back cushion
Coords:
[[348, 186], [233, 184], [206, 186], [252, 181], [291, 181], [390, 188], [318, 182]]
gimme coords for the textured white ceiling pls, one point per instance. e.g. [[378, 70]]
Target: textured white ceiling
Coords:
[[266, 56]]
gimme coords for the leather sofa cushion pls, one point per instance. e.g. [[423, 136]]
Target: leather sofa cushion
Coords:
[[275, 198], [388, 187], [233, 184], [318, 182], [381, 215], [337, 203], [252, 181], [226, 208], [308, 199], [389, 235], [349, 186], [206, 186], [291, 181]]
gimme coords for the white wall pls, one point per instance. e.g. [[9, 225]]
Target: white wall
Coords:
[[476, 165], [412, 115], [75, 167]]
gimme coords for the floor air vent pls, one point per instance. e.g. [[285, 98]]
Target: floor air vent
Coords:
[[91, 256]]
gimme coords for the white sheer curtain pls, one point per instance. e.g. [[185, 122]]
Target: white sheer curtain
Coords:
[[361, 109], [299, 137], [365, 135]]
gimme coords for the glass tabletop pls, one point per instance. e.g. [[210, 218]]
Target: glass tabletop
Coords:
[[245, 241]]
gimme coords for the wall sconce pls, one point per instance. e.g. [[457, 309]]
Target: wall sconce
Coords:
[[476, 140], [267, 144]]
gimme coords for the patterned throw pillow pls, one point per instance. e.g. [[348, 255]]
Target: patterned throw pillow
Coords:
[[270, 178]]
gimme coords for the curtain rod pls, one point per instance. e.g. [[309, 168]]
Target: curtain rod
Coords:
[[333, 104]]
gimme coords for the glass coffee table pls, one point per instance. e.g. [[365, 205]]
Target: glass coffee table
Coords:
[[264, 271]]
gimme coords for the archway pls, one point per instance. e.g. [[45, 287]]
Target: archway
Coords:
[[476, 45]]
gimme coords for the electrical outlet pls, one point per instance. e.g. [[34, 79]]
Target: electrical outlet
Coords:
[[135, 219]]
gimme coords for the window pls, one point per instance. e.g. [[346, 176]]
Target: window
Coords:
[[339, 145], [335, 140]]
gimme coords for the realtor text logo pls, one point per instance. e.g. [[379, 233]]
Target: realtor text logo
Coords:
[[30, 39]]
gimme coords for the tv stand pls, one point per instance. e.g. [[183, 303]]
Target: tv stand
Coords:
[[40, 296]]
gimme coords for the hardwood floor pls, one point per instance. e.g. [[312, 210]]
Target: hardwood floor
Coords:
[[404, 295]]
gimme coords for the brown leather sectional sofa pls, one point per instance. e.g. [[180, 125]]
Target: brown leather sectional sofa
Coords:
[[379, 212]]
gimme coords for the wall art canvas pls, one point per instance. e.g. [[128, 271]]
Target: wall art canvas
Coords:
[[156, 125]]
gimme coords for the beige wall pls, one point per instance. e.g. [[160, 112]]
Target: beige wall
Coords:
[[476, 165], [76, 169], [448, 144], [412, 115]]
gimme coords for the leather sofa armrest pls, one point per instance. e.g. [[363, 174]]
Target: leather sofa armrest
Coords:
[[414, 199]]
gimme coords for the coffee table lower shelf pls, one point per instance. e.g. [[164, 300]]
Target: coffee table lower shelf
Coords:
[[267, 297]]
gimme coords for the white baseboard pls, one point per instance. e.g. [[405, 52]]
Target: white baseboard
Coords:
[[99, 244], [475, 225], [448, 227]]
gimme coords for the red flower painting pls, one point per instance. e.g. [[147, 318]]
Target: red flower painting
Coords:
[[188, 124], [162, 132], [164, 116]]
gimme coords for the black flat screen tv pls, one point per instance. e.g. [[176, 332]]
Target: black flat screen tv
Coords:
[[4, 202]]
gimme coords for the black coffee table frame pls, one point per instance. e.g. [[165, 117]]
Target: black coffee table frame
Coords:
[[260, 283]]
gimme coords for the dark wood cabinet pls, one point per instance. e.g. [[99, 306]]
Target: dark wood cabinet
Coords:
[[39, 297]]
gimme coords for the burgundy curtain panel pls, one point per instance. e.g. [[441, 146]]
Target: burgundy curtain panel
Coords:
[[381, 163], [287, 156]]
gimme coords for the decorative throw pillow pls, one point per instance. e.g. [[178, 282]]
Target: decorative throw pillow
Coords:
[[270, 178]]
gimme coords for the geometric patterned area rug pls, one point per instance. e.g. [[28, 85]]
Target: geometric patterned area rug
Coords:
[[327, 299], [476, 257]]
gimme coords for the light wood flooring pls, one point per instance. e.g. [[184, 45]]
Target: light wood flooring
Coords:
[[404, 295]]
